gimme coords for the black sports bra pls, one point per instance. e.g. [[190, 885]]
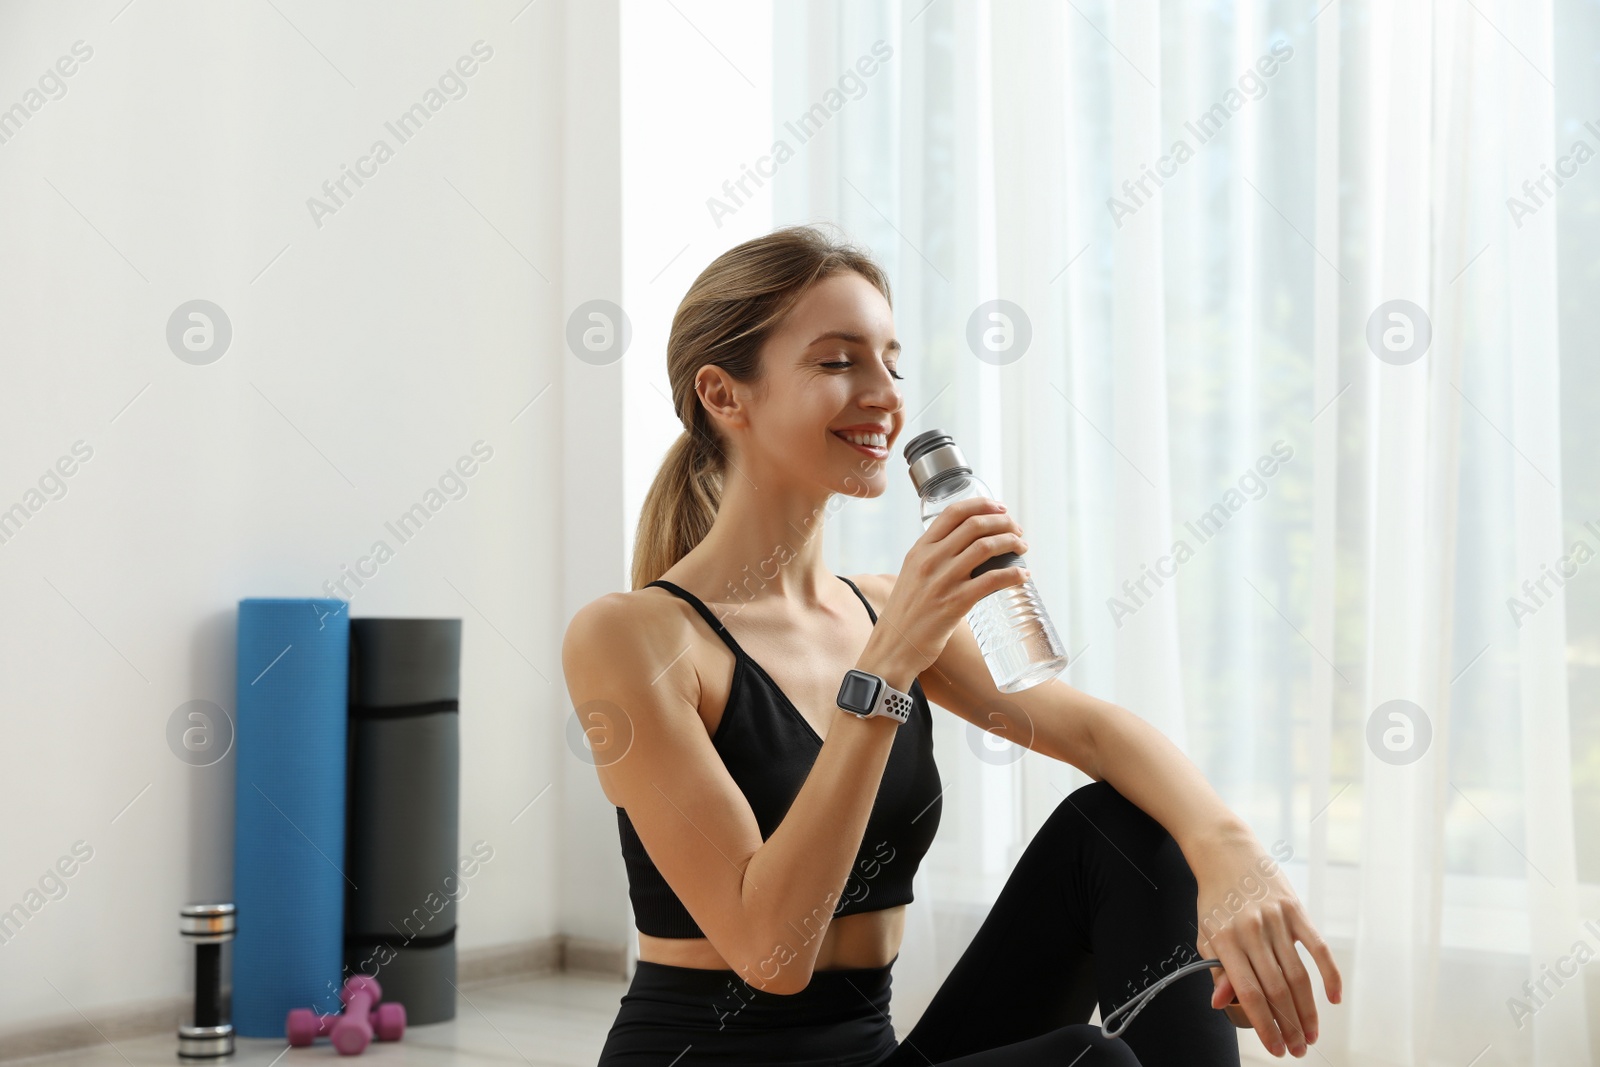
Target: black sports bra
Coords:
[[769, 749]]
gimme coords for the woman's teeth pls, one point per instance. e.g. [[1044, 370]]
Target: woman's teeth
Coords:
[[869, 440]]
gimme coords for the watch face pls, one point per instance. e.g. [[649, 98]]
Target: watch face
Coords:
[[859, 691]]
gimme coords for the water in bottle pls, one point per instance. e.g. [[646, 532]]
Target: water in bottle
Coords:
[[1019, 643]]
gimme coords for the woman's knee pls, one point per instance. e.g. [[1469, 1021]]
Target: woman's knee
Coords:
[[1101, 817], [1098, 806]]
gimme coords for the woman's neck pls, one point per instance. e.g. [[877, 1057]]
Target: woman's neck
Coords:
[[752, 553]]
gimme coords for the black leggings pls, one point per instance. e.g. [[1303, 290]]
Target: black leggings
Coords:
[[1101, 905]]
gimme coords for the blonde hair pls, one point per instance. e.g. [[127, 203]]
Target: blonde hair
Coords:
[[727, 315]]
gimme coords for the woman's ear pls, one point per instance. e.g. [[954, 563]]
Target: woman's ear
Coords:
[[720, 394]]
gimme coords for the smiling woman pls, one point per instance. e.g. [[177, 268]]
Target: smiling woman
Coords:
[[769, 750]]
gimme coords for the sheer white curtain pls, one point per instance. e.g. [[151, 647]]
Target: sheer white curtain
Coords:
[[1258, 522]]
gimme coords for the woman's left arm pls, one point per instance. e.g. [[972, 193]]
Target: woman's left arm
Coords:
[[1249, 915]]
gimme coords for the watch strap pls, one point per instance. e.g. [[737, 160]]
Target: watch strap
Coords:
[[893, 703]]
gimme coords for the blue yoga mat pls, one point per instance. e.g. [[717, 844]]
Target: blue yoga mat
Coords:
[[288, 882]]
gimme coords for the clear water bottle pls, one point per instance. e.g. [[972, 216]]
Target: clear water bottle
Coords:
[[1018, 641]]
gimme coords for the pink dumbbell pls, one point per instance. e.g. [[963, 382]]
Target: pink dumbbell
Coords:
[[305, 1026], [352, 1031]]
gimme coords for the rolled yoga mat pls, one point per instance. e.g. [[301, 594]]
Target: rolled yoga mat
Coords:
[[289, 809], [404, 808]]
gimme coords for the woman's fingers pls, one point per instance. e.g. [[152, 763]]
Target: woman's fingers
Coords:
[[1252, 1001], [1321, 954], [1223, 993], [1224, 999], [1294, 971], [1275, 989]]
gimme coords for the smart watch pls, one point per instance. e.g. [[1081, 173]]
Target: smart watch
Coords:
[[866, 695]]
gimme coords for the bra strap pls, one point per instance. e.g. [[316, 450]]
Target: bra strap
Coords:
[[870, 613], [916, 683], [705, 612]]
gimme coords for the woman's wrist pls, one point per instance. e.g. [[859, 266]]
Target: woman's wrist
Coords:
[[890, 660], [1219, 847]]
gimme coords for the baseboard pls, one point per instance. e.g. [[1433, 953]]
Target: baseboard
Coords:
[[560, 953], [595, 957], [476, 966], [65, 1033]]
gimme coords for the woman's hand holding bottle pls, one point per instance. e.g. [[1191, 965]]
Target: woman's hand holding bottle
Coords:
[[935, 589]]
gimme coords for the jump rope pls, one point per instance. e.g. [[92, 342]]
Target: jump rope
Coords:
[[1137, 1004]]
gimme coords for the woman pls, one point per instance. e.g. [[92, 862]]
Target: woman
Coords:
[[771, 836]]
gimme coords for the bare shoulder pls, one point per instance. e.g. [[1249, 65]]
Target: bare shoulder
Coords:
[[616, 637], [637, 636], [636, 614], [625, 619], [628, 678]]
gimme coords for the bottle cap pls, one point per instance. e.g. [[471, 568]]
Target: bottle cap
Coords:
[[931, 454]]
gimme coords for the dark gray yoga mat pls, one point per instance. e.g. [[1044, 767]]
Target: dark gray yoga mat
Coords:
[[404, 804]]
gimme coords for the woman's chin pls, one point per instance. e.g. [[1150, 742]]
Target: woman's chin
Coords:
[[862, 485]]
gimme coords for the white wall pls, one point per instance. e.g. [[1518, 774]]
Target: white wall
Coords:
[[593, 880], [372, 346], [368, 354]]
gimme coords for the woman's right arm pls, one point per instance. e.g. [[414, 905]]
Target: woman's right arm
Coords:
[[764, 906]]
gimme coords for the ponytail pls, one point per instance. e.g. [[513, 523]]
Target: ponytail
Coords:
[[679, 508]]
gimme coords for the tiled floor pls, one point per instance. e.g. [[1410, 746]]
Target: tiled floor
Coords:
[[559, 1020]]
